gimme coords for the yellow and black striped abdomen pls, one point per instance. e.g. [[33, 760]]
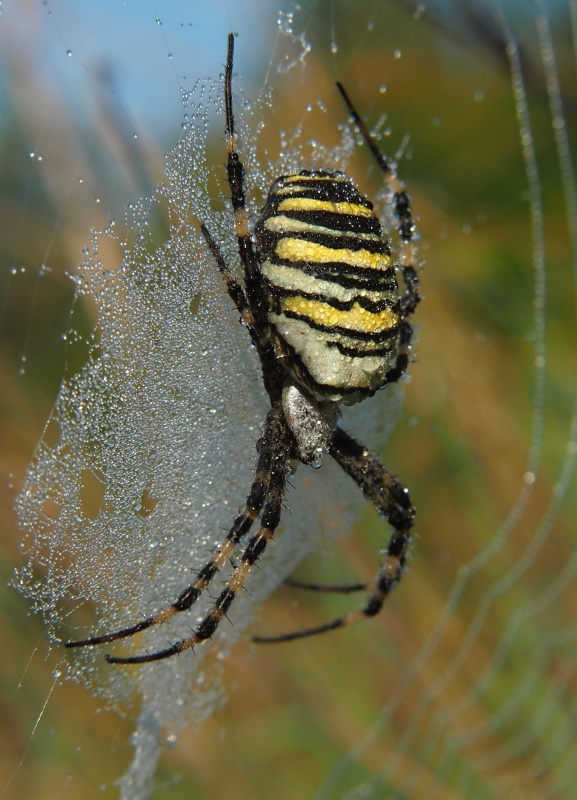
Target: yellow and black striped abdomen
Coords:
[[332, 294]]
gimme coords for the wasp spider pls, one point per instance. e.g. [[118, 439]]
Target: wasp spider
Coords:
[[321, 304]]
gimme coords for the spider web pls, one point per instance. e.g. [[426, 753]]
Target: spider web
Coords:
[[465, 686]]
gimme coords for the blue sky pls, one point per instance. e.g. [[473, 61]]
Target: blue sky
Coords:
[[144, 51]]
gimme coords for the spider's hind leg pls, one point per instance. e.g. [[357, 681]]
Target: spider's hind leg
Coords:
[[392, 501]]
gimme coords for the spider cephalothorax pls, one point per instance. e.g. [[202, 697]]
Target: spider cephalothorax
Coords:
[[322, 306]]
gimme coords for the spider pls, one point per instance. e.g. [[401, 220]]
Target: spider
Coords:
[[322, 306]]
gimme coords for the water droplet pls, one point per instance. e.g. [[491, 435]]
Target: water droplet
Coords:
[[317, 461]]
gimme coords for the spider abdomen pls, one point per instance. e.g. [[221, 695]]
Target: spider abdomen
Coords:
[[332, 294]]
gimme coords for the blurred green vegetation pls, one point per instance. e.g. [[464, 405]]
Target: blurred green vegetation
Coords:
[[462, 447]]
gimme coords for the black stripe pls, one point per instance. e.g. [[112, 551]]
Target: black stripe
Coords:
[[347, 333], [328, 219], [255, 547], [336, 270], [186, 598], [337, 191], [225, 599], [317, 173], [385, 282], [208, 572], [333, 241], [356, 352], [342, 305], [208, 626]]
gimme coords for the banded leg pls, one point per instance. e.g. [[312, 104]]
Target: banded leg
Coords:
[[403, 353], [249, 300], [392, 501], [402, 201], [239, 529], [406, 229], [235, 176], [273, 373], [343, 588], [233, 287], [278, 445]]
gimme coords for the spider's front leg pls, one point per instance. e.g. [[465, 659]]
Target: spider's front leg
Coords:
[[392, 501]]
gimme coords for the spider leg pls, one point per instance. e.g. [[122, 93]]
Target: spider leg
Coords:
[[402, 200], [406, 229], [234, 289], [391, 500], [318, 587], [250, 299], [403, 353], [239, 529], [277, 444], [235, 175]]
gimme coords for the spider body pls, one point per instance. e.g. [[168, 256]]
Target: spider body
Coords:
[[333, 302], [321, 303]]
